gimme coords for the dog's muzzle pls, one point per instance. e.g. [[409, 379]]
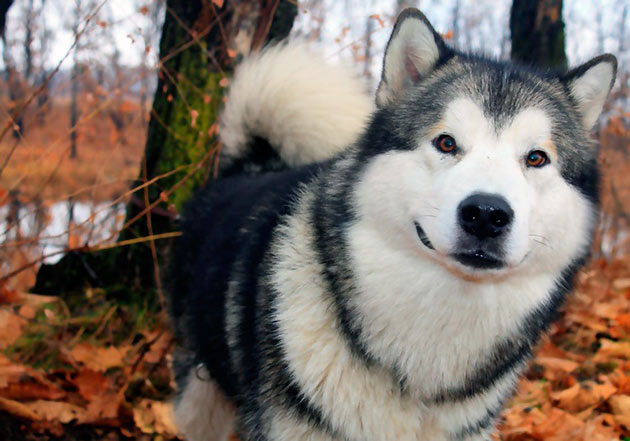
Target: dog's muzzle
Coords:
[[484, 220]]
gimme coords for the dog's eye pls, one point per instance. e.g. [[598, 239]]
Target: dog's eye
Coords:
[[537, 158], [445, 144]]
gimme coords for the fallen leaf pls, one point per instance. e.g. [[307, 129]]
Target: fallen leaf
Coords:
[[91, 384], [30, 389], [99, 358], [155, 417], [10, 327], [620, 406], [557, 364], [583, 395], [596, 430], [18, 409], [159, 347], [57, 411], [612, 349], [621, 284], [558, 426]]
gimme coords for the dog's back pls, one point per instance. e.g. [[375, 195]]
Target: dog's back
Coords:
[[310, 111]]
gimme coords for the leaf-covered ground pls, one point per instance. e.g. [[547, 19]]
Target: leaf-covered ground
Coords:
[[99, 370], [578, 387], [94, 369]]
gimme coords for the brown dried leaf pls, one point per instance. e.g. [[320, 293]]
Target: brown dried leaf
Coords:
[[158, 349], [612, 349], [155, 417], [558, 426], [18, 409], [57, 411], [583, 395], [99, 358], [620, 406], [10, 327], [91, 384], [557, 364], [30, 389]]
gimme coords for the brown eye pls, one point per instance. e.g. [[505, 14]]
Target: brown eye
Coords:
[[445, 144], [537, 158]]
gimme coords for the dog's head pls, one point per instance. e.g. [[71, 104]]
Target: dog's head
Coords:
[[484, 166]]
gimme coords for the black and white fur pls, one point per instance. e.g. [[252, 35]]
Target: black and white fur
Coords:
[[348, 298]]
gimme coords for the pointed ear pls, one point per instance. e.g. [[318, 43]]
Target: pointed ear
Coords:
[[589, 85], [412, 52]]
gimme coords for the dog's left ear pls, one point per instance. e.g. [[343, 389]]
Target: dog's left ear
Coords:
[[412, 52], [589, 85]]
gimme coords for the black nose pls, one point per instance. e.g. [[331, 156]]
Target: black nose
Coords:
[[485, 215]]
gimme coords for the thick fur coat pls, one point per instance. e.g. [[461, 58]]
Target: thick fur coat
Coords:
[[360, 274]]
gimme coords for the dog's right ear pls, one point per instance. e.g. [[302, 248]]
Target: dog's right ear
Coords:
[[412, 52]]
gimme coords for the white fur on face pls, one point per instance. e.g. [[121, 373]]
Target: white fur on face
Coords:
[[551, 218]]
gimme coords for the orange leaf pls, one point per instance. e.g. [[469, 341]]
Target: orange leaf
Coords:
[[155, 417], [612, 349], [98, 358], [557, 364], [91, 384], [10, 327]]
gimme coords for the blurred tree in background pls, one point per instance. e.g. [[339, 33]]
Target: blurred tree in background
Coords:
[[537, 31], [201, 42]]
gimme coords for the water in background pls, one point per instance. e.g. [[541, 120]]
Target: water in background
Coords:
[[92, 224]]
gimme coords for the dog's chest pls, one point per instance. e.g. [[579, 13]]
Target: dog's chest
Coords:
[[435, 328]]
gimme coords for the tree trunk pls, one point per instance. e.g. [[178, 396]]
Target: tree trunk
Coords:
[[199, 45], [4, 8], [537, 31]]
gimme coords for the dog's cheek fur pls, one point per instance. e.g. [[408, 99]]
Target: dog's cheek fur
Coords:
[[394, 191], [561, 223]]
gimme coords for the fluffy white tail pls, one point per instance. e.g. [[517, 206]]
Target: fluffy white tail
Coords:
[[306, 108]]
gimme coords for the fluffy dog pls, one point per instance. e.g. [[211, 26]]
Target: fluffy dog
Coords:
[[383, 274]]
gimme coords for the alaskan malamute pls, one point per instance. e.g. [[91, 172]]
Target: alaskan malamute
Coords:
[[382, 274]]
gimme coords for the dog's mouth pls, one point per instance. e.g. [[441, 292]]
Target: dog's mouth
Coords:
[[423, 237], [476, 258], [479, 259]]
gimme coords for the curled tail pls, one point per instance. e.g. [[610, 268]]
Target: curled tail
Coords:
[[287, 107]]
